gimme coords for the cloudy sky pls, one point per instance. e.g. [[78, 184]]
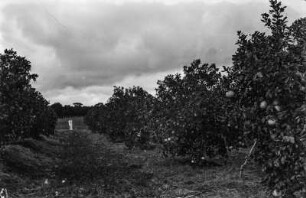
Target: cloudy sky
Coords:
[[82, 48]]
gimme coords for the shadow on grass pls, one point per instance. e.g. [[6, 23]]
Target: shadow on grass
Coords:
[[96, 170]]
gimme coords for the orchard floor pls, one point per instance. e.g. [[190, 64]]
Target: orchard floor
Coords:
[[95, 167]]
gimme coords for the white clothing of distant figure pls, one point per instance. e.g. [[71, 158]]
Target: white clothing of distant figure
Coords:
[[3, 193], [70, 124]]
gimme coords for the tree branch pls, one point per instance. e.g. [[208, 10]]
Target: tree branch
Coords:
[[247, 158]]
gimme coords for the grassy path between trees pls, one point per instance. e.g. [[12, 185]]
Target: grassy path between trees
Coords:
[[89, 165]]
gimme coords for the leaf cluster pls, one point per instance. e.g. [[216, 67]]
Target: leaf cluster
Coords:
[[23, 111], [268, 69], [124, 117]]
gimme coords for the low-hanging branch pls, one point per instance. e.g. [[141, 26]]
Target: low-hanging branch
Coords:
[[247, 158]]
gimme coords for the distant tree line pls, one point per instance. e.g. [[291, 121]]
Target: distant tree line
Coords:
[[77, 109]]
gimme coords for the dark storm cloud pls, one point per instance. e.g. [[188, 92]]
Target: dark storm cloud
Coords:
[[93, 43]]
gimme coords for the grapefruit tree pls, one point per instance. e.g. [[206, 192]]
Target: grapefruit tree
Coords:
[[191, 114], [270, 84], [24, 111]]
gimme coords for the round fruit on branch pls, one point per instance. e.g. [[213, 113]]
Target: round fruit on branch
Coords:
[[263, 105], [229, 94]]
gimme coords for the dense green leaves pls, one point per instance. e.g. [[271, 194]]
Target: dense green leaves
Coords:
[[24, 112], [268, 69], [125, 117], [191, 117], [77, 110]]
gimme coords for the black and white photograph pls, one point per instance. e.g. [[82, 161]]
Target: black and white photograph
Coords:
[[153, 98]]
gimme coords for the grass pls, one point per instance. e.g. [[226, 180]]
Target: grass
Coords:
[[90, 165], [177, 179], [78, 123]]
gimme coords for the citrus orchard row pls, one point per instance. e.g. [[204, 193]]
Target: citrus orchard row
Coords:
[[203, 113], [24, 112]]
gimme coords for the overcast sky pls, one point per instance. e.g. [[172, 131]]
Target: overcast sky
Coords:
[[82, 48]]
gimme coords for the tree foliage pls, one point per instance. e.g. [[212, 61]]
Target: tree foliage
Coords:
[[124, 117], [190, 113], [24, 111], [77, 110], [204, 112], [270, 85]]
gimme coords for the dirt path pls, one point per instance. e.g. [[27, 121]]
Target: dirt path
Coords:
[[151, 175], [89, 165]]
